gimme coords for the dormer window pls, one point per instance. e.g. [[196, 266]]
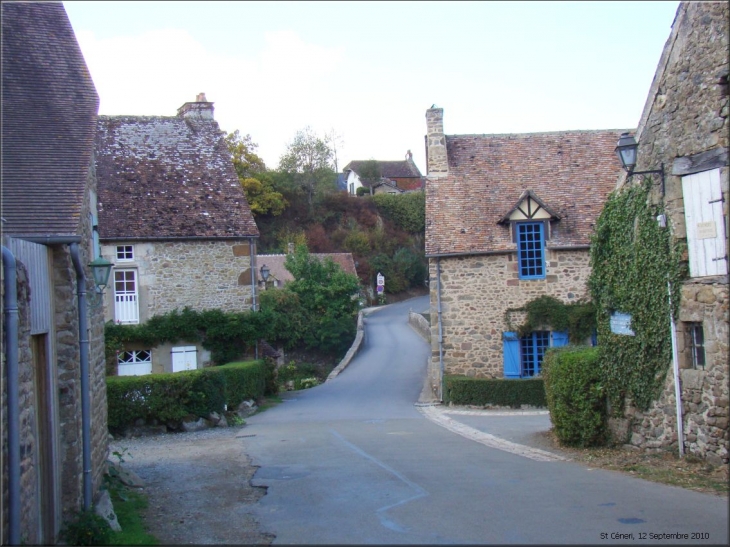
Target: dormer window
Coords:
[[529, 222], [530, 250]]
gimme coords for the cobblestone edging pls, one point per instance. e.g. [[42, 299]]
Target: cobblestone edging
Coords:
[[438, 415]]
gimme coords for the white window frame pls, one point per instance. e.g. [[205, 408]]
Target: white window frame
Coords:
[[705, 223], [122, 252], [134, 362], [126, 303]]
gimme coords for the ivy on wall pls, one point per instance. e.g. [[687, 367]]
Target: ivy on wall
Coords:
[[632, 259], [577, 318]]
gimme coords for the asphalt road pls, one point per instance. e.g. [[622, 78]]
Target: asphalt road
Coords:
[[354, 461]]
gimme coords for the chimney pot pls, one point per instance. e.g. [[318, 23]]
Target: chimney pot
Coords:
[[201, 109]]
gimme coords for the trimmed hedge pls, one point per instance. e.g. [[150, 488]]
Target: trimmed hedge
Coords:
[[576, 400], [173, 396], [462, 390]]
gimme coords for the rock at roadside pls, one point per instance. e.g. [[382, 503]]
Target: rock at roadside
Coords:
[[127, 477], [105, 509]]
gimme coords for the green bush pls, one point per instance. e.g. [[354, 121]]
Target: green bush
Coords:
[[408, 211], [173, 396], [575, 396], [244, 381], [462, 390], [87, 528]]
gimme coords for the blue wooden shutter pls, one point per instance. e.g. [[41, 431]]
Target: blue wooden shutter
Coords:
[[560, 338], [511, 350]]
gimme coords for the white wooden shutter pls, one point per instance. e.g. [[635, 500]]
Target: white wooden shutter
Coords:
[[705, 223], [184, 358]]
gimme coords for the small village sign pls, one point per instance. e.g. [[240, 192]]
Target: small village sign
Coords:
[[621, 323]]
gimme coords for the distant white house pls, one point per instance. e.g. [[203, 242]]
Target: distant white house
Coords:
[[396, 176]]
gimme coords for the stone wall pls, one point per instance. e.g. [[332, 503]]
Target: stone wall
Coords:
[[199, 274], [28, 434], [686, 114], [476, 291]]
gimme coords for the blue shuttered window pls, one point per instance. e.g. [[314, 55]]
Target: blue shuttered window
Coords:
[[511, 347], [530, 250], [523, 356]]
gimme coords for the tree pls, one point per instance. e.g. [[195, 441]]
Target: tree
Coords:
[[245, 160], [370, 173], [308, 158], [257, 182], [328, 295]]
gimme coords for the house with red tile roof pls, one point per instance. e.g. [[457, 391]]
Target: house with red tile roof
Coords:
[[396, 176], [174, 220], [279, 276], [53, 402], [508, 219]]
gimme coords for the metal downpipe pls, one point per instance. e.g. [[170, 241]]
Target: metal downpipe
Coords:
[[441, 329], [677, 385], [10, 309], [84, 366]]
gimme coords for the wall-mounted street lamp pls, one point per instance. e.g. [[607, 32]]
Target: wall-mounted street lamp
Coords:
[[627, 152], [101, 269], [265, 272]]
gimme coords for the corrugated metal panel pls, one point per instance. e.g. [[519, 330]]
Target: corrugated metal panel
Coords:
[[35, 259]]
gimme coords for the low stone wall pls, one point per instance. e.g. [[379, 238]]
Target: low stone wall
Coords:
[[421, 326], [353, 349]]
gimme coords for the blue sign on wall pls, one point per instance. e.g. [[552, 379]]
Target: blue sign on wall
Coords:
[[621, 323]]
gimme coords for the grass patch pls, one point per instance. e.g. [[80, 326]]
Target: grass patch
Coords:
[[129, 506], [665, 467], [267, 402]]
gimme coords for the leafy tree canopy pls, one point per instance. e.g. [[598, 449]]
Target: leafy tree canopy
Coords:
[[308, 159]]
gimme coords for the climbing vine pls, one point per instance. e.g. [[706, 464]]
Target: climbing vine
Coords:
[[632, 259], [577, 318]]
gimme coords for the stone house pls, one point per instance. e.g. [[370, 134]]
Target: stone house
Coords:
[[399, 176], [684, 131], [280, 276], [54, 406], [508, 219], [174, 220]]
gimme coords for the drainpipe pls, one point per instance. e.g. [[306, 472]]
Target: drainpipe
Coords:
[[677, 386], [441, 330], [84, 365], [252, 250], [11, 344]]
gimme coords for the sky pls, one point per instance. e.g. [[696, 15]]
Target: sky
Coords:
[[366, 72]]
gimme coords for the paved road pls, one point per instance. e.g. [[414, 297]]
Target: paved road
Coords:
[[354, 461]]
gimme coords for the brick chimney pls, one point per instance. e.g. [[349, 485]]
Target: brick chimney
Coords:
[[437, 163], [201, 109]]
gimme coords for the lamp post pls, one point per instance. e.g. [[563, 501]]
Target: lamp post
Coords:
[[627, 152], [265, 274], [101, 269]]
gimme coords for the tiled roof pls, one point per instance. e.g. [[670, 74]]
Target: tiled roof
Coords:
[[167, 177], [275, 264], [389, 169], [49, 108], [572, 172]]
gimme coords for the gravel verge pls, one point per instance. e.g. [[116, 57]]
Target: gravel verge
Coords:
[[198, 486]]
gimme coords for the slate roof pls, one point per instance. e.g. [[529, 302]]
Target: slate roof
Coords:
[[49, 108], [275, 263], [572, 172], [389, 169], [167, 178]]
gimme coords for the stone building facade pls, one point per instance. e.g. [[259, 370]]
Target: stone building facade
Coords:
[[508, 219], [684, 128], [174, 221], [49, 192]]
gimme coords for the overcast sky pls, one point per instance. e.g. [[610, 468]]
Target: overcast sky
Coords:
[[369, 70]]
